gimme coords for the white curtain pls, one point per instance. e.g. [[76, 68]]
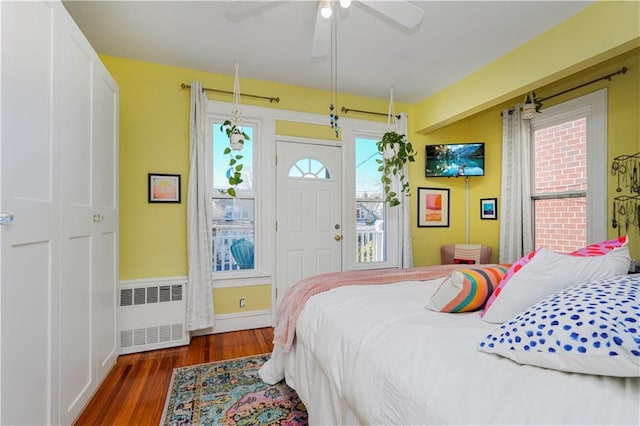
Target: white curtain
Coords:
[[399, 125], [516, 234], [199, 218], [406, 249]]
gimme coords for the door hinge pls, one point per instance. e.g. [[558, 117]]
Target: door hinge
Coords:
[[276, 226]]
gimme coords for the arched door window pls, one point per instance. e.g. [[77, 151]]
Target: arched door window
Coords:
[[309, 168]]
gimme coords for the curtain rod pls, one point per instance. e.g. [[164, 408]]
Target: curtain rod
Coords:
[[346, 110], [622, 70], [226, 92]]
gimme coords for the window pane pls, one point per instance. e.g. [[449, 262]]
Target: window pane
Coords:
[[309, 168], [561, 223], [221, 161], [370, 204], [560, 157], [370, 231], [368, 183], [233, 234]]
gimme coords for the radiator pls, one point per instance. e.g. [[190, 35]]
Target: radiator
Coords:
[[151, 314]]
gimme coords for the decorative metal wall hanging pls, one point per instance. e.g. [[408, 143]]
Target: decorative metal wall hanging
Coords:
[[626, 208]]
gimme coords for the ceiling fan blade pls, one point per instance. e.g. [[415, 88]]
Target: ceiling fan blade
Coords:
[[240, 9], [401, 11], [321, 36]]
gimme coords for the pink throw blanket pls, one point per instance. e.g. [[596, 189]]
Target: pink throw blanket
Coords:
[[297, 295]]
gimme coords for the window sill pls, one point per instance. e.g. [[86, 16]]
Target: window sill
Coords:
[[241, 279]]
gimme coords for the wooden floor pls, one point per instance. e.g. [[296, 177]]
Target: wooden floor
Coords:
[[134, 392]]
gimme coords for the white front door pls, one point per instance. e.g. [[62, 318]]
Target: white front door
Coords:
[[308, 212]]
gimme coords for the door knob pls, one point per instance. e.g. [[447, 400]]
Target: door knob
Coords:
[[6, 218], [337, 237]]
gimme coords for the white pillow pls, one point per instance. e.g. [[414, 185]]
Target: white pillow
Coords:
[[548, 272], [591, 328]]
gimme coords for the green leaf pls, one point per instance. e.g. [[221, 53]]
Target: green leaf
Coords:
[[231, 192]]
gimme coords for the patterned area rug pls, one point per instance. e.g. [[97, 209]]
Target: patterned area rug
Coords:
[[230, 393]]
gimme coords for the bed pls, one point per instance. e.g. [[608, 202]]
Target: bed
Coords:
[[373, 354]]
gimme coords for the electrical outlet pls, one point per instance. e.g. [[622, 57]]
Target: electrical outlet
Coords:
[[242, 302]]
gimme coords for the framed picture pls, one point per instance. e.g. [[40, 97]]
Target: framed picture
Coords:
[[489, 208], [164, 188], [433, 207]]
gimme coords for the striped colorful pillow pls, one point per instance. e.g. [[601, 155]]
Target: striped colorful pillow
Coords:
[[467, 289]]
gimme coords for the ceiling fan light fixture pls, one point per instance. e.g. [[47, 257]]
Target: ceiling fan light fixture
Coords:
[[345, 3], [325, 9]]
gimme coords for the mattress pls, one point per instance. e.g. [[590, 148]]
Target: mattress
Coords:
[[375, 355]]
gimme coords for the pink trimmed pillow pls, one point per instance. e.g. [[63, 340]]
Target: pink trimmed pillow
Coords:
[[597, 249], [549, 271], [512, 270], [603, 247]]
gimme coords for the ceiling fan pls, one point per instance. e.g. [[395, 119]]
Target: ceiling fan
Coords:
[[401, 11]]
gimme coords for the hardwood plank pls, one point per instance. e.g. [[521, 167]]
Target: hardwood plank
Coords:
[[135, 390]]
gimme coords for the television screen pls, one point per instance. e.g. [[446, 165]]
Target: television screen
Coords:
[[459, 159]]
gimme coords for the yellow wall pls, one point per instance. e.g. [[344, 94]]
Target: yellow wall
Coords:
[[623, 138], [154, 137], [257, 297], [484, 127]]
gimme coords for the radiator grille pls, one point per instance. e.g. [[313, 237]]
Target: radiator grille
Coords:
[[152, 316]]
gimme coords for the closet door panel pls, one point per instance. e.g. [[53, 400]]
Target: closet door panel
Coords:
[[77, 381], [75, 308], [29, 247], [105, 189]]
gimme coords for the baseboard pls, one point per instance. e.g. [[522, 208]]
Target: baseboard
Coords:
[[237, 321]]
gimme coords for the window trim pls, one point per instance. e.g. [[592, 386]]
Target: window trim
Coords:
[[593, 106], [265, 178], [369, 130], [215, 114]]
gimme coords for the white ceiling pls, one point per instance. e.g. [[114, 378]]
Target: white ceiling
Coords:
[[272, 41]]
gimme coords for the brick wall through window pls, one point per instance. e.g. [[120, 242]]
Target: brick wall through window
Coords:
[[560, 165]]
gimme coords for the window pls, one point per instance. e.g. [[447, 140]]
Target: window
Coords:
[[233, 217], [569, 174], [370, 205], [309, 168]]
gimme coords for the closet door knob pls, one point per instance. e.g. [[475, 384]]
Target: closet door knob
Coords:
[[6, 218]]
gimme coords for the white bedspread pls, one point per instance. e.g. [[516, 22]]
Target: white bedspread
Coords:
[[375, 355]]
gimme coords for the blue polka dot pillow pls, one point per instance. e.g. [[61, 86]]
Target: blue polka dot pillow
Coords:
[[591, 328]]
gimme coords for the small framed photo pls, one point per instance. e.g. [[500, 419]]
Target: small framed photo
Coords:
[[164, 188], [433, 207], [489, 208]]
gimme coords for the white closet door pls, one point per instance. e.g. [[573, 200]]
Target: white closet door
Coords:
[[76, 356], [88, 194], [105, 207], [58, 170], [30, 245]]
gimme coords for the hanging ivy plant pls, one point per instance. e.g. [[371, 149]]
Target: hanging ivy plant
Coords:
[[234, 173], [394, 166]]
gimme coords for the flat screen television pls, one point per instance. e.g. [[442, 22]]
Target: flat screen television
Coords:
[[455, 159]]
